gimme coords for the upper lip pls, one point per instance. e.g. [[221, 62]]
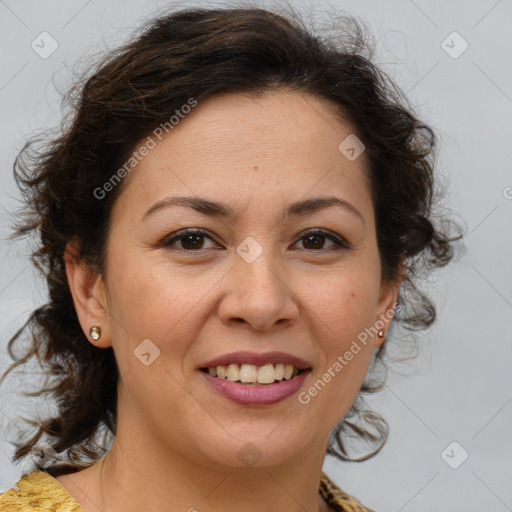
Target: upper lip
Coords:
[[258, 359]]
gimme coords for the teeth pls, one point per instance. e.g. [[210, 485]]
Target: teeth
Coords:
[[248, 373], [266, 374], [221, 372], [233, 372], [252, 374]]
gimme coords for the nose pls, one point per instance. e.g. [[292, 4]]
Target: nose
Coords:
[[258, 295]]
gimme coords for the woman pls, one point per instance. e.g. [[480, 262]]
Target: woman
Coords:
[[227, 225]]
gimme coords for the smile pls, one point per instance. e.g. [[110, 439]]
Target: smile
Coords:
[[255, 379], [252, 374]]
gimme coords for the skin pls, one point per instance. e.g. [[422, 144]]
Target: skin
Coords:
[[177, 439]]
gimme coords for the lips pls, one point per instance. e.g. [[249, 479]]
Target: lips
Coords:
[[249, 378], [258, 359]]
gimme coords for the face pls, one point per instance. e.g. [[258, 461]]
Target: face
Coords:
[[255, 281]]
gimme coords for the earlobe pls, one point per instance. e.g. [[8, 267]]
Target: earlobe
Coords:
[[387, 305], [88, 291]]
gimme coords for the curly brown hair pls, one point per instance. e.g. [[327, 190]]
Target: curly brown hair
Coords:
[[201, 53]]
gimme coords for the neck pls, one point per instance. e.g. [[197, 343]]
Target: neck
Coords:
[[134, 477]]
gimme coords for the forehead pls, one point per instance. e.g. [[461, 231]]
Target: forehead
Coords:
[[254, 150]]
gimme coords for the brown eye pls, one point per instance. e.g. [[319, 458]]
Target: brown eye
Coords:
[[316, 239], [192, 240]]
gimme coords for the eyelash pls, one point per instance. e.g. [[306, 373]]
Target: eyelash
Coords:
[[338, 241]]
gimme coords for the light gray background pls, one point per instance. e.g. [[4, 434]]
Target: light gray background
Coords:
[[459, 389]]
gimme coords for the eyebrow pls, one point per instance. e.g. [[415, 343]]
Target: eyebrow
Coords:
[[217, 209]]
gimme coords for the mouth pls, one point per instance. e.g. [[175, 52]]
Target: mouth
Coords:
[[255, 379], [254, 375]]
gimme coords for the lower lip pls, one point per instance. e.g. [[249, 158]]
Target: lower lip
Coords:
[[266, 394]]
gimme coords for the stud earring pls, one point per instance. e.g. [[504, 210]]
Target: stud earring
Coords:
[[381, 333], [95, 332]]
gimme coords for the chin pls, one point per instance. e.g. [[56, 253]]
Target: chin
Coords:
[[254, 448]]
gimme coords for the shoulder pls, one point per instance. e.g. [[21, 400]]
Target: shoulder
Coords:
[[38, 492], [337, 499]]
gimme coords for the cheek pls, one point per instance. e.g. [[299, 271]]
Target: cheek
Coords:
[[158, 302], [343, 310], [343, 304]]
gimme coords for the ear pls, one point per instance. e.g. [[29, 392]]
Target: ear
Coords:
[[386, 307], [89, 295]]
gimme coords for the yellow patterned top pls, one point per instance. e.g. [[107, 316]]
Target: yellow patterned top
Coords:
[[40, 492]]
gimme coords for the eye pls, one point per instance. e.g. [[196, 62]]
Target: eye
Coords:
[[192, 240], [315, 239]]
